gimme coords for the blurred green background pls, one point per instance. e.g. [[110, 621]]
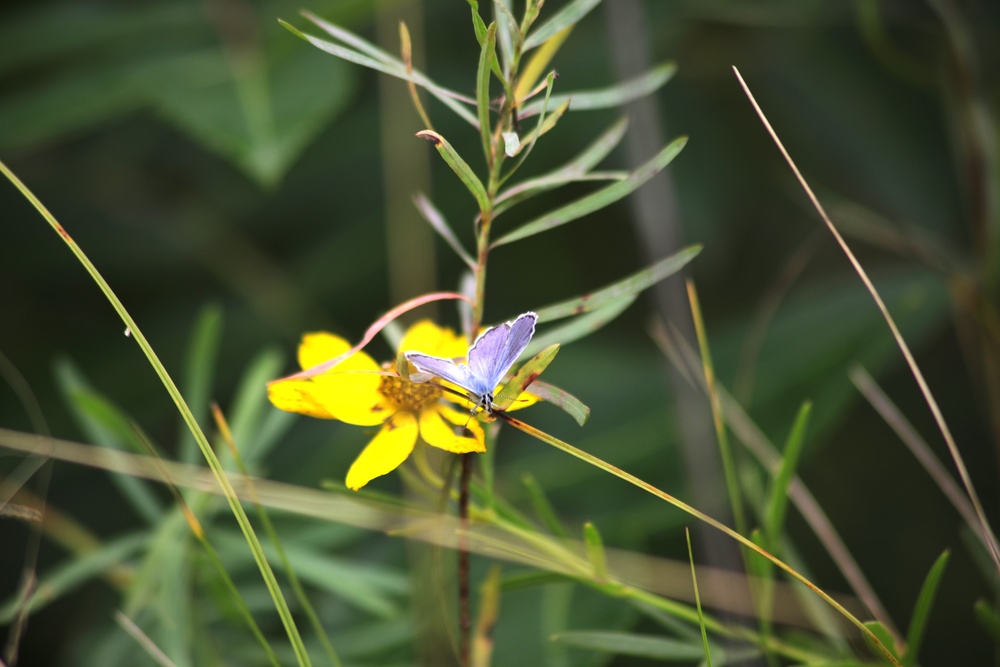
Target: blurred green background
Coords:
[[202, 155]]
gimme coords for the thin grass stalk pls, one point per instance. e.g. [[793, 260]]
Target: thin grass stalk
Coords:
[[272, 534], [984, 526], [267, 574], [701, 516]]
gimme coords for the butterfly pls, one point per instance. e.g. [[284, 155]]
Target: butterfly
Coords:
[[489, 359]]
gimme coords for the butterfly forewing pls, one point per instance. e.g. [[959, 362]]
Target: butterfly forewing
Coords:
[[446, 369]]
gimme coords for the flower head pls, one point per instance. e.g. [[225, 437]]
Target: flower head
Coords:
[[359, 391]]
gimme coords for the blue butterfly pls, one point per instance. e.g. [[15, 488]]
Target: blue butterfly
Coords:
[[489, 359]]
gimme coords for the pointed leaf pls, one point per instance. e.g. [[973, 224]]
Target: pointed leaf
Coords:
[[884, 636], [564, 18], [597, 200], [560, 398], [582, 325], [486, 59], [376, 59], [612, 96], [922, 610], [459, 166], [778, 501], [629, 286]]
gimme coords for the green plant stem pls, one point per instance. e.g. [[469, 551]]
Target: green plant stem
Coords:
[[220, 475]]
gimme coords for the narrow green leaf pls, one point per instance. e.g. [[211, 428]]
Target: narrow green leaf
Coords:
[[486, 57], [104, 424], [778, 501], [561, 398], [381, 62], [440, 225], [697, 600], [612, 96], [987, 617], [581, 326], [884, 636], [459, 166], [250, 405], [72, 573], [574, 170], [922, 610], [597, 200], [524, 377], [595, 551], [623, 643], [508, 32], [630, 286], [561, 20], [478, 25], [199, 366]]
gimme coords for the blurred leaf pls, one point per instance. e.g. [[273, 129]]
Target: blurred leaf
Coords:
[[562, 399], [104, 424], [441, 226], [538, 63], [582, 325], [489, 612], [988, 619], [632, 285], [623, 643], [543, 508], [778, 498], [596, 200], [595, 551], [884, 636], [568, 16], [251, 407], [612, 96], [262, 114], [199, 371], [72, 573], [922, 609]]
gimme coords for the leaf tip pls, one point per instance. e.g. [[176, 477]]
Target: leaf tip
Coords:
[[431, 136]]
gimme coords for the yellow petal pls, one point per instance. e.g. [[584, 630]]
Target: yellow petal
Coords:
[[386, 451], [297, 396], [436, 430], [352, 397], [429, 338], [321, 346]]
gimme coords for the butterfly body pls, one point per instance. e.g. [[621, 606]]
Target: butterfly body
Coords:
[[489, 359]]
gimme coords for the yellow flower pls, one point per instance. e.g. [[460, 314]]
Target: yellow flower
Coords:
[[356, 392]]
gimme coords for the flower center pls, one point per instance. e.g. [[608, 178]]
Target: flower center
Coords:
[[408, 395]]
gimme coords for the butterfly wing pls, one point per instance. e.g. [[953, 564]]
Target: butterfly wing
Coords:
[[446, 369], [498, 348]]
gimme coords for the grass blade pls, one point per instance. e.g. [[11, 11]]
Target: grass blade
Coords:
[[697, 600], [199, 363], [624, 643], [595, 551], [984, 525], [597, 200], [922, 610], [778, 501]]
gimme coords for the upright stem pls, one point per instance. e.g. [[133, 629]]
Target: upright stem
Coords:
[[464, 603]]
